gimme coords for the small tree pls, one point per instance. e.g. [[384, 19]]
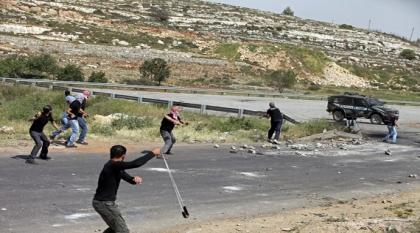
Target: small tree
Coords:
[[13, 66], [97, 77], [156, 70], [161, 14], [70, 72], [288, 11], [408, 54], [281, 79], [42, 65]]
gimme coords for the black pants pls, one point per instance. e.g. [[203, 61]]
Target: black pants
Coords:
[[275, 127], [41, 141]]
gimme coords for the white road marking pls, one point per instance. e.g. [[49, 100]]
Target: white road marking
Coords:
[[159, 169], [76, 216], [232, 188], [251, 174]]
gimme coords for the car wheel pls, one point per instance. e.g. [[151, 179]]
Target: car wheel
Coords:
[[376, 119], [338, 115]]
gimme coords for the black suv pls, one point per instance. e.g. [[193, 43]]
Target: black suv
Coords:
[[351, 105]]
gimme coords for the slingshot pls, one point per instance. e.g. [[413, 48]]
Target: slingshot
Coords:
[[184, 210]]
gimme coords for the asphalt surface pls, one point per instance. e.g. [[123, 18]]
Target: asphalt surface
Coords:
[[55, 196]]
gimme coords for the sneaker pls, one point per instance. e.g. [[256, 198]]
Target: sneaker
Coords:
[[161, 157], [269, 140], [71, 146], [276, 142], [52, 137], [44, 157], [31, 161], [82, 143], [384, 140], [169, 153]]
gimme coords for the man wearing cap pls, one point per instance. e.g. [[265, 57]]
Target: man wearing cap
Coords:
[[81, 120]]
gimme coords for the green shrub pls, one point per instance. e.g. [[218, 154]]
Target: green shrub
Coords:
[[132, 122], [234, 123], [13, 66], [408, 54], [229, 51], [70, 72], [97, 77], [346, 26]]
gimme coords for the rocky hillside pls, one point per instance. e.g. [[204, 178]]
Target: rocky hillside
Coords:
[[206, 44]]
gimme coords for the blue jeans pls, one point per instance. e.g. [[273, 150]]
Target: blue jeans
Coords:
[[64, 118], [83, 126], [392, 131], [275, 127], [74, 125], [64, 127], [41, 141]]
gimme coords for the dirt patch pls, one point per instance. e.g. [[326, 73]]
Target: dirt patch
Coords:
[[391, 213]]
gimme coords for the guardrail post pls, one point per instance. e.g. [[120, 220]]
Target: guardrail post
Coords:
[[51, 87], [202, 109], [3, 80], [170, 103], [240, 112], [33, 84], [140, 100], [112, 96]]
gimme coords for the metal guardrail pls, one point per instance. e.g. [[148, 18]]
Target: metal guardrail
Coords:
[[202, 107], [53, 83]]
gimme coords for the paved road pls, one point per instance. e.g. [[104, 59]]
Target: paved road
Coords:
[[55, 196], [301, 110]]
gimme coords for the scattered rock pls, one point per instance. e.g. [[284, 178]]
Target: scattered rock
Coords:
[[388, 152], [412, 176], [216, 146], [7, 129], [252, 151]]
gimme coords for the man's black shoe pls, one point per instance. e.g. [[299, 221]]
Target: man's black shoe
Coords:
[[168, 153], [71, 146], [31, 161], [44, 157]]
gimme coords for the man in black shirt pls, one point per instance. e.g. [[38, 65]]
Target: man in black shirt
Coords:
[[276, 122], [167, 125], [75, 111], [392, 127], [37, 134], [82, 122], [108, 183]]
